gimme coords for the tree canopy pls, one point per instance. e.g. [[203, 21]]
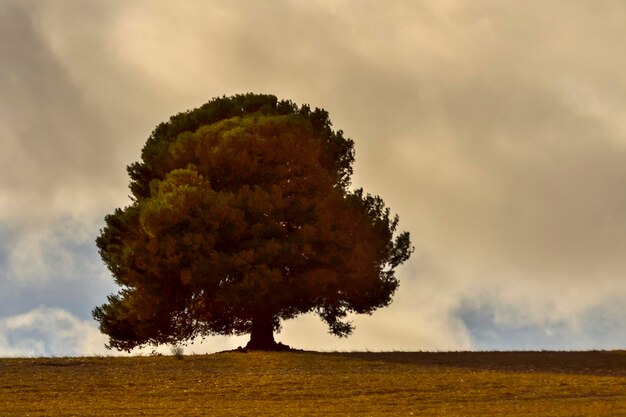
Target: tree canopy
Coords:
[[242, 217]]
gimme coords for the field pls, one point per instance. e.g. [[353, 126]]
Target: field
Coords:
[[324, 384]]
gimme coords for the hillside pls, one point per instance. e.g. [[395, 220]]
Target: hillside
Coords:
[[309, 383]]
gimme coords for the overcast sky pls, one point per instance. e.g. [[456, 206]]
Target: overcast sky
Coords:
[[495, 129]]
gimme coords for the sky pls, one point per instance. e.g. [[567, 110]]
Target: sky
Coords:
[[496, 130]]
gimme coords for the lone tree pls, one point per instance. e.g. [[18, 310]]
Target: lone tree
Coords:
[[241, 217]]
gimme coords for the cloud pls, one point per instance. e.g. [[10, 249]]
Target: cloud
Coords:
[[46, 331], [49, 254], [495, 130], [53, 331], [56, 146], [494, 324], [512, 171]]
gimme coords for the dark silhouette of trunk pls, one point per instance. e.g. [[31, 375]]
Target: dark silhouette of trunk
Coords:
[[262, 335]]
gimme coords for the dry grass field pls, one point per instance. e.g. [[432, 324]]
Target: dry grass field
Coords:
[[324, 384]]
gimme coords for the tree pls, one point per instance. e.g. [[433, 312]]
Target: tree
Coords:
[[240, 218]]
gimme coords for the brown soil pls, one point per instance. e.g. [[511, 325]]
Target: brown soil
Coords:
[[609, 363]]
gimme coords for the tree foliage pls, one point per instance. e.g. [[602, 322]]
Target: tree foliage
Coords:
[[241, 217]]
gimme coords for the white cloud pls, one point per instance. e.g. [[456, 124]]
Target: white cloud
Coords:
[[52, 331], [58, 253], [48, 331]]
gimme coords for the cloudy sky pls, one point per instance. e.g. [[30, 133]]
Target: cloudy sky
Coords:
[[495, 129]]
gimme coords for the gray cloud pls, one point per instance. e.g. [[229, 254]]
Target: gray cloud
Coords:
[[495, 325], [54, 140], [494, 129]]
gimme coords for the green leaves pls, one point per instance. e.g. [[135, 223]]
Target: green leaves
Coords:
[[241, 214]]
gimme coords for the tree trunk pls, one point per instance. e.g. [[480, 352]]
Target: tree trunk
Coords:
[[262, 335]]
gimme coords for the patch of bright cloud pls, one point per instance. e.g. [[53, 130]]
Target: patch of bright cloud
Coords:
[[49, 331]]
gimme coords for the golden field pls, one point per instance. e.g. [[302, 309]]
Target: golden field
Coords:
[[318, 384]]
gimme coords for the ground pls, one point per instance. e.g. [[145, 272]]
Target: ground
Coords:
[[310, 383]]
